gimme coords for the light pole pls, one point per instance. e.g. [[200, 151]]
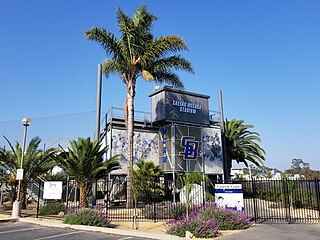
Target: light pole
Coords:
[[16, 208]]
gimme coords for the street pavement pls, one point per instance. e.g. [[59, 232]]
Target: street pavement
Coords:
[[41, 229], [278, 232], [27, 231]]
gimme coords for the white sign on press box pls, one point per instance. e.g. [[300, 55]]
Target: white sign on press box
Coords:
[[52, 190]]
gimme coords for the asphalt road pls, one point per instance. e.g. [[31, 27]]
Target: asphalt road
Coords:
[[278, 232], [28, 231]]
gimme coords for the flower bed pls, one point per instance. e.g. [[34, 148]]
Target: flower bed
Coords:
[[208, 221]]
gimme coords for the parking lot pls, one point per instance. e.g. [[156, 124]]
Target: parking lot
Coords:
[[28, 231], [278, 232]]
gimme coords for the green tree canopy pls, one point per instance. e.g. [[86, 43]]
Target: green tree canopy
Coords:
[[36, 162], [84, 162], [302, 168], [145, 183], [242, 145]]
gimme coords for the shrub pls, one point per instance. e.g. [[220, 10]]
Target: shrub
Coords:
[[227, 219], [206, 222], [164, 211], [210, 197], [90, 217], [177, 210], [51, 209], [199, 226]]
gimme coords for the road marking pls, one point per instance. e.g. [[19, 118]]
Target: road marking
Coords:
[[20, 230], [59, 235], [124, 238]]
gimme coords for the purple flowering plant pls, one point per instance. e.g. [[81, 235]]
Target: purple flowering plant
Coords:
[[207, 222], [88, 216]]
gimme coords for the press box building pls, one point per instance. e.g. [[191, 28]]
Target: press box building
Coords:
[[180, 134]]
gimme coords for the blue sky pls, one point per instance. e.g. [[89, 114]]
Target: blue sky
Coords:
[[264, 55]]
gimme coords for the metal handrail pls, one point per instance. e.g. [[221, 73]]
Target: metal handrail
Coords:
[[139, 115]]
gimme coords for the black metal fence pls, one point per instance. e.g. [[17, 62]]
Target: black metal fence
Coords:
[[282, 201], [267, 201], [154, 201]]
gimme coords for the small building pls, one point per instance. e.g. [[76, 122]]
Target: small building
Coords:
[[180, 134]]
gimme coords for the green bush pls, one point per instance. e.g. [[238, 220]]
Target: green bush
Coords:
[[51, 209], [177, 210], [164, 211], [210, 197], [90, 217]]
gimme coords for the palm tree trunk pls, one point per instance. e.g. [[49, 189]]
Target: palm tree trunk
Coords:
[[23, 195], [130, 127], [83, 202]]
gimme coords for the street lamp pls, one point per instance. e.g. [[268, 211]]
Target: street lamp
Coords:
[[16, 208]]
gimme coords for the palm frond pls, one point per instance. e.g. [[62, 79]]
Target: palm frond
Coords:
[[242, 144]]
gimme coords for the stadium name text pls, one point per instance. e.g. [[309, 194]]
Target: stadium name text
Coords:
[[187, 107]]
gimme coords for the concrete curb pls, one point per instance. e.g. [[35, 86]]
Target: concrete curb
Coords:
[[9, 220], [134, 233]]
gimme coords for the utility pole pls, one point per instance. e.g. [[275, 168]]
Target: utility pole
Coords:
[[226, 177], [97, 132]]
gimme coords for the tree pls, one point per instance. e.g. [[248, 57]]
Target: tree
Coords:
[[137, 53], [303, 169], [84, 162], [36, 162], [299, 164], [146, 186], [242, 144], [188, 180]]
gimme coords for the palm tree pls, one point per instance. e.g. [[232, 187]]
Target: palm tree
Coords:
[[84, 162], [36, 162], [137, 53], [145, 184], [242, 144]]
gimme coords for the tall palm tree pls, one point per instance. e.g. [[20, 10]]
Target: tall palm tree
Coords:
[[242, 144], [36, 162], [84, 162], [137, 53]]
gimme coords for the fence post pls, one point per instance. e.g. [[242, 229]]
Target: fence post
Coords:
[[38, 203], [318, 198], [67, 195], [254, 200], [154, 200], [287, 200], [106, 196], [1, 197]]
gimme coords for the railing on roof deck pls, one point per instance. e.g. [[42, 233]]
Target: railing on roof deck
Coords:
[[115, 112]]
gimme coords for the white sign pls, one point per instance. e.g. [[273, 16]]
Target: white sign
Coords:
[[229, 196], [227, 186], [19, 174], [52, 190]]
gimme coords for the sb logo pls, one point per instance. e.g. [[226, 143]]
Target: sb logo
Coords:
[[190, 148]]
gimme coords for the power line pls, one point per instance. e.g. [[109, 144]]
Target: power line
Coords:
[[49, 116]]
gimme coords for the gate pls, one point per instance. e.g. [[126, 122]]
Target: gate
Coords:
[[282, 201]]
